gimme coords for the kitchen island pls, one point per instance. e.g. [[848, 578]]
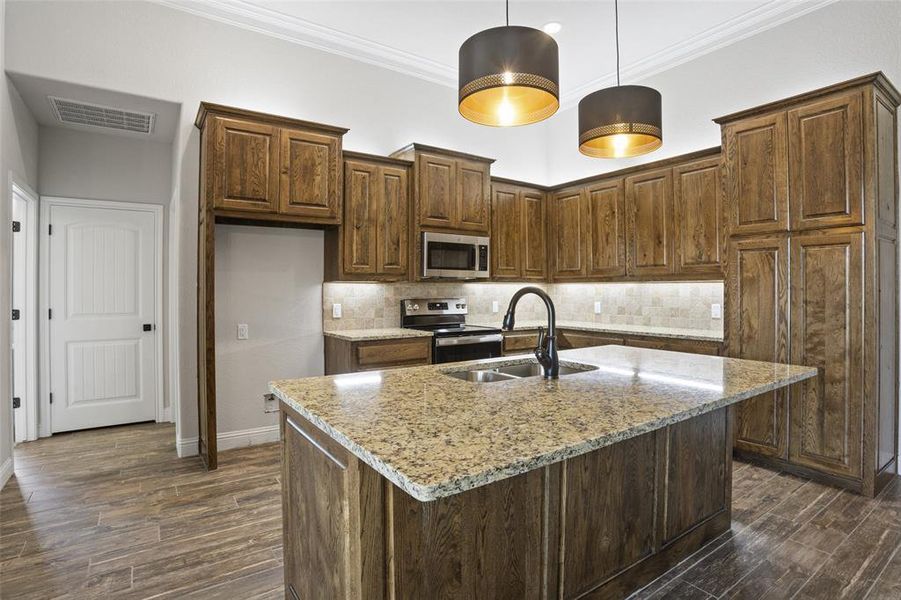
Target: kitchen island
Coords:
[[414, 484]]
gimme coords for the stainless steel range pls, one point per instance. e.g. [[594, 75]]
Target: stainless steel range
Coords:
[[454, 340]]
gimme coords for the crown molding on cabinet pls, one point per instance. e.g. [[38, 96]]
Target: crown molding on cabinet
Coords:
[[247, 15]]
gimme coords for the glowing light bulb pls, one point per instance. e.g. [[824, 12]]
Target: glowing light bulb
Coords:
[[506, 112], [507, 77], [620, 144]]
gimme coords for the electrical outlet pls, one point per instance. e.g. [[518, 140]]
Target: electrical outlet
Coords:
[[494, 306], [336, 311], [597, 307], [716, 311], [243, 331]]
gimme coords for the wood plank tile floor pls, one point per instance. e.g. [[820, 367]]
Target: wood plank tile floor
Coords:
[[113, 513]]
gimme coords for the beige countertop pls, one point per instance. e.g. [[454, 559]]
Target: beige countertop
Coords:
[[665, 332], [434, 435], [390, 333]]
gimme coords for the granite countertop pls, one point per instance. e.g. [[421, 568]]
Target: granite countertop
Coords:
[[390, 333], [435, 436], [665, 332]]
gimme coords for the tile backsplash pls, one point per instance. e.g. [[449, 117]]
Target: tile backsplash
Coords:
[[679, 305]]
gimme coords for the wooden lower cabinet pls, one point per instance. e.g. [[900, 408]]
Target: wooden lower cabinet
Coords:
[[344, 356], [524, 342], [599, 525], [676, 345]]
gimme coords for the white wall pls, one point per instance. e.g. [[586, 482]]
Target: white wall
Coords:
[[18, 160], [841, 41], [82, 164], [271, 279]]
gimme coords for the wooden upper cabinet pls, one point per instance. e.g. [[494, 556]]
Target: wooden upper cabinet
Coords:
[[533, 211], [242, 170], [473, 194], [649, 208], [437, 193], [270, 168], [393, 227], [698, 212], [606, 229], [361, 213], [825, 153], [506, 221], [827, 332], [567, 234], [374, 236], [310, 181], [756, 163], [757, 328]]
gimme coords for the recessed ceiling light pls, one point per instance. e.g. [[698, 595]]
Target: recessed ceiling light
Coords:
[[552, 27]]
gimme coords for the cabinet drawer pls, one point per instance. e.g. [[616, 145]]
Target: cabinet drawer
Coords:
[[395, 352], [521, 340], [586, 339], [676, 345]]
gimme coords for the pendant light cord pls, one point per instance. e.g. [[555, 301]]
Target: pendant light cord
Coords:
[[616, 21], [508, 13]]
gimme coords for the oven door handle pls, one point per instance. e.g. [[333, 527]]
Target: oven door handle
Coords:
[[465, 340]]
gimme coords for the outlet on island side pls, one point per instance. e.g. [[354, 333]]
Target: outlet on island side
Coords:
[[243, 331], [336, 311]]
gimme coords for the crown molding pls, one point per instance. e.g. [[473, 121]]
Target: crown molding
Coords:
[[766, 16], [306, 33], [251, 17]]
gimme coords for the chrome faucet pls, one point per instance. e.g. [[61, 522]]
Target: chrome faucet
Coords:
[[546, 352]]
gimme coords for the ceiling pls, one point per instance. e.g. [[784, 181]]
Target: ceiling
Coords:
[[35, 92], [422, 37]]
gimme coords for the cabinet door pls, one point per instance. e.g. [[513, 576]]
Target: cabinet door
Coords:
[[505, 232], [473, 196], [606, 229], [360, 217], [437, 182], [698, 211], [827, 333], [320, 504], [756, 171], [757, 329], [310, 184], [392, 218], [243, 166], [567, 227], [649, 205], [825, 153], [534, 231]]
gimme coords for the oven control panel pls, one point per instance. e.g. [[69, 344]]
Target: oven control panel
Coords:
[[434, 306]]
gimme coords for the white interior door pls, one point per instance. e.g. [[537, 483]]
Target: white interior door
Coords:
[[102, 298], [19, 346]]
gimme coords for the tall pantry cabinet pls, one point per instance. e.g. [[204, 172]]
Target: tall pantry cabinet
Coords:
[[811, 188]]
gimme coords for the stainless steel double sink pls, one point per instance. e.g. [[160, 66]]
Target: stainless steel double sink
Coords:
[[511, 372]]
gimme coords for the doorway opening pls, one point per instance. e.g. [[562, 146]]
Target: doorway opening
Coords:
[[23, 331]]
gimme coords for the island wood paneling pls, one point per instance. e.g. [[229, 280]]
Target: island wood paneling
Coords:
[[837, 150], [757, 329], [597, 525]]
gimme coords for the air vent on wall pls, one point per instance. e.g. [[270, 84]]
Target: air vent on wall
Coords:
[[74, 112]]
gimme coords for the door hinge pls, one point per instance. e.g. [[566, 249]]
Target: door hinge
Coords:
[[49, 313], [17, 226], [16, 314], [17, 402], [51, 397], [49, 229]]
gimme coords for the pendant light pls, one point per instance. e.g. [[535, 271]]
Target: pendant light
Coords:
[[509, 76], [620, 121]]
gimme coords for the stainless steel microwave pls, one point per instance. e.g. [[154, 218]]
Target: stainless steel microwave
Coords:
[[452, 256]]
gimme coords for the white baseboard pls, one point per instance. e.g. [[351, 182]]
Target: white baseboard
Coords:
[[227, 440], [6, 471]]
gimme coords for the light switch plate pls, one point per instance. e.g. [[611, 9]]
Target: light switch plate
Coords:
[[716, 311], [597, 307], [243, 331], [494, 306], [336, 311]]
